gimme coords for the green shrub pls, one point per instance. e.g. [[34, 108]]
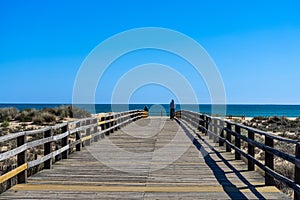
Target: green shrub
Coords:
[[258, 118], [49, 110], [62, 112], [24, 116], [8, 114], [5, 124], [45, 117], [48, 117], [79, 113], [38, 119]]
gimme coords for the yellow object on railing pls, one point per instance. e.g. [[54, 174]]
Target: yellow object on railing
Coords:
[[145, 114], [13, 173]]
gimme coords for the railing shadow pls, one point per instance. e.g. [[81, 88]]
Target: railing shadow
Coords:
[[231, 190]]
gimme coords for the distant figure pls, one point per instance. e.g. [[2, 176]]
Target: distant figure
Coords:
[[146, 108], [172, 109]]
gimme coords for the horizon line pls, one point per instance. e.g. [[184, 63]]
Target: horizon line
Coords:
[[152, 103]]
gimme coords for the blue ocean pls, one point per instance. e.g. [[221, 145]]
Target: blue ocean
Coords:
[[163, 109]]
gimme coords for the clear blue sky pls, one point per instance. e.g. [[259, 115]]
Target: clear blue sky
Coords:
[[255, 45]]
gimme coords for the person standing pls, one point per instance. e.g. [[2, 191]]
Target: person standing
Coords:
[[172, 109], [146, 108]]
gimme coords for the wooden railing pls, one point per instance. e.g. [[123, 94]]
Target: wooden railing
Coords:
[[57, 142], [225, 132]]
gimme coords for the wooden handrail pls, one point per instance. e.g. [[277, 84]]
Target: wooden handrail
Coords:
[[85, 132], [222, 130]]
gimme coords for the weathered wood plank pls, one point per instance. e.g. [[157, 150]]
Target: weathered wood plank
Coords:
[[13, 173]]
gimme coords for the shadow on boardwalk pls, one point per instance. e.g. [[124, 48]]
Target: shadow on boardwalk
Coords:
[[231, 190]]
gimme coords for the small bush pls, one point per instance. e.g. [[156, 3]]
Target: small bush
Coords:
[[42, 118], [38, 119], [48, 117], [27, 115], [259, 118], [78, 113], [5, 124], [49, 110], [62, 112], [8, 114]]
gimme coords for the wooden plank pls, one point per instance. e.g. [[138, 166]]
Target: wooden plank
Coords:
[[34, 132], [58, 126], [40, 160], [11, 136], [13, 173], [13, 152], [59, 151], [86, 138], [60, 136], [168, 189], [39, 142]]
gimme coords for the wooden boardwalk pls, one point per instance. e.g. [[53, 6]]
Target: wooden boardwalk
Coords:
[[153, 158]]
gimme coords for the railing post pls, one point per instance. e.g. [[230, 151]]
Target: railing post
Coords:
[[178, 114], [95, 121], [202, 123], [78, 137], [64, 142], [221, 142], [102, 125], [58, 156], [269, 161], [111, 123], [206, 124], [22, 159], [250, 151], [215, 130], [116, 122], [48, 149], [228, 136], [237, 142], [106, 125], [87, 133], [297, 172], [195, 121], [210, 122]]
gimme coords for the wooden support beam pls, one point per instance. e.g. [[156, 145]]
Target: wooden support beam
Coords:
[[64, 142], [22, 159], [48, 149], [251, 151], [269, 161], [297, 171], [228, 136], [237, 142]]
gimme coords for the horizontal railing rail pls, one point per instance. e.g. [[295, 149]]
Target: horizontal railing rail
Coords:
[[57, 142], [221, 131]]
